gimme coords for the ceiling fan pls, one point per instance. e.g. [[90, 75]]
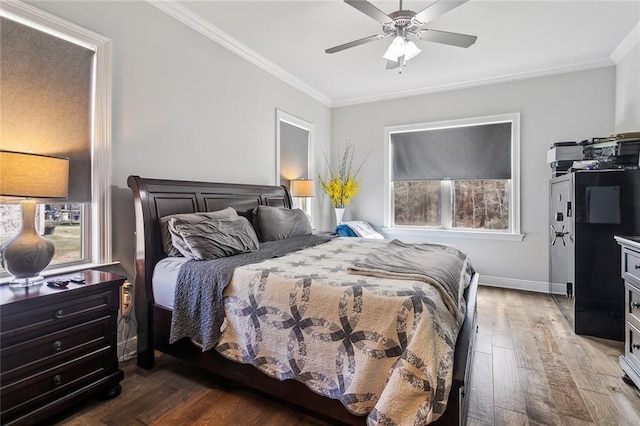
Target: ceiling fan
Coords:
[[403, 24]]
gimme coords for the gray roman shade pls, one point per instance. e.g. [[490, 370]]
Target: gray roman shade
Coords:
[[294, 152], [456, 153], [46, 100]]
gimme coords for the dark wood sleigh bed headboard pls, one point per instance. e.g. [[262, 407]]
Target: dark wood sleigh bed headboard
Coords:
[[155, 198]]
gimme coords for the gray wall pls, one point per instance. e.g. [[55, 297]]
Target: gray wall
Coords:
[[184, 107], [565, 107], [628, 92]]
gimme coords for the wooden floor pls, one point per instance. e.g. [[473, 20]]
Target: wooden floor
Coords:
[[530, 368]]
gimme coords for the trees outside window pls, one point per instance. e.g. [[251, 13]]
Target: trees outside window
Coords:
[[477, 204]]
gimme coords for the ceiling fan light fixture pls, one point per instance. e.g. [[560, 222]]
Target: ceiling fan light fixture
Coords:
[[396, 49], [401, 47]]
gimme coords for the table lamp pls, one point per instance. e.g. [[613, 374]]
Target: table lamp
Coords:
[[28, 176], [303, 188]]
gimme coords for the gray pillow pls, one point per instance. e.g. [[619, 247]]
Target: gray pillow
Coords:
[[214, 238], [167, 241], [276, 223]]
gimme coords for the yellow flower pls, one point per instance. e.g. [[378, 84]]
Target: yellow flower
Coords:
[[341, 185]]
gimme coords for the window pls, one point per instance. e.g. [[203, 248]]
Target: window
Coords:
[[459, 175], [294, 156], [61, 223], [70, 68]]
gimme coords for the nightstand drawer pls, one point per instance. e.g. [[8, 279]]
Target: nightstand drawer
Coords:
[[19, 396], [633, 304], [632, 351], [631, 265], [42, 352], [27, 324]]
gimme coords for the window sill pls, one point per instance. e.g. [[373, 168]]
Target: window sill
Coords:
[[439, 233]]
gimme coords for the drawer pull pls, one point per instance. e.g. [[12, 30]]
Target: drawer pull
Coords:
[[57, 380], [59, 313], [57, 345], [635, 346], [636, 266], [635, 305]]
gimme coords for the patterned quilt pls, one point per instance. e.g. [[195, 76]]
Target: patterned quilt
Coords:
[[383, 347]]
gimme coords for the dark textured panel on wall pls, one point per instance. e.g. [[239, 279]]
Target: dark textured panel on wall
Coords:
[[469, 152]]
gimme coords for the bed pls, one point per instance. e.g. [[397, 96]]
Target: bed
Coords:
[[157, 198]]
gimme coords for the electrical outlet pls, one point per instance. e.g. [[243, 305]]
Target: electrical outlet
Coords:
[[126, 297]]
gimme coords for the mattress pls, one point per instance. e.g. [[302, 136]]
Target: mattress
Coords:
[[165, 277]]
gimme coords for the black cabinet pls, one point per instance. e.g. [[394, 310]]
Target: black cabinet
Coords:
[[58, 346], [587, 209]]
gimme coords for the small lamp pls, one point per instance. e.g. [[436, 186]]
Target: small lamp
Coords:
[[303, 188], [27, 175]]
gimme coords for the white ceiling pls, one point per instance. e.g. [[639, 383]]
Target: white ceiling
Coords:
[[516, 39]]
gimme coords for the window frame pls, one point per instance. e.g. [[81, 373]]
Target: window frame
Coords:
[[514, 231], [96, 220]]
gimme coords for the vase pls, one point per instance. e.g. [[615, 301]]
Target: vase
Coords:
[[339, 213]]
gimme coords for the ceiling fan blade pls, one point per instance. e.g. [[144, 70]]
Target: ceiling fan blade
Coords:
[[354, 43], [434, 10], [445, 37], [369, 10]]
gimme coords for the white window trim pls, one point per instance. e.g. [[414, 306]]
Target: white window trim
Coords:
[[99, 239], [513, 234]]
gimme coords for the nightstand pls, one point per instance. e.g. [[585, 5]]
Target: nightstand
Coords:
[[58, 346], [630, 360]]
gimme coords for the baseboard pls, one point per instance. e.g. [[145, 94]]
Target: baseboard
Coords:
[[558, 288], [525, 285]]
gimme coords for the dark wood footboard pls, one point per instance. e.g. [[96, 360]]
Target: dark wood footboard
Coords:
[[155, 198]]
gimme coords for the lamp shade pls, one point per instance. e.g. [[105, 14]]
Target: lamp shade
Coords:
[[303, 188], [401, 47], [396, 49], [411, 51], [33, 175]]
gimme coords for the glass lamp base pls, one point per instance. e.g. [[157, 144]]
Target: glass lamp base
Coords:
[[27, 254], [23, 283]]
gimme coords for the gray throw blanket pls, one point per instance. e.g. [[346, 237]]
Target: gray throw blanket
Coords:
[[198, 311], [438, 265]]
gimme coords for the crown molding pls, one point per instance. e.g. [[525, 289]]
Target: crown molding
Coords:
[[31, 16], [626, 44], [544, 72], [204, 27], [197, 23]]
